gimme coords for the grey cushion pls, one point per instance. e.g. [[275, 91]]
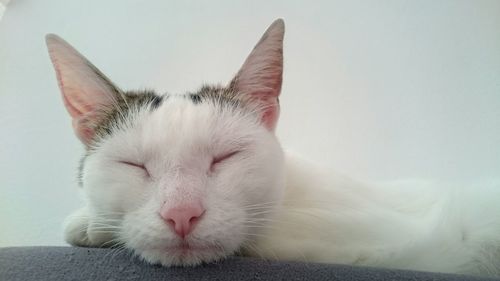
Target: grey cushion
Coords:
[[71, 263]]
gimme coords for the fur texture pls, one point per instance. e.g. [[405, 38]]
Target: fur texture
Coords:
[[145, 152]]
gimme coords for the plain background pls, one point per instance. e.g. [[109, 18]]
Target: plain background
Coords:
[[378, 90]]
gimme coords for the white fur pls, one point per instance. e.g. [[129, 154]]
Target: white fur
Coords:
[[408, 225], [177, 143], [319, 217]]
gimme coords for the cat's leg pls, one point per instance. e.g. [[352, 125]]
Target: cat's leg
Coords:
[[75, 228], [80, 230]]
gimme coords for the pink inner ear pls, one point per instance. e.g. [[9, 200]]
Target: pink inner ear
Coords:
[[83, 129], [270, 116], [260, 77], [72, 109]]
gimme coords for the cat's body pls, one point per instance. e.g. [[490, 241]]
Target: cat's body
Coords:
[[185, 179], [326, 217]]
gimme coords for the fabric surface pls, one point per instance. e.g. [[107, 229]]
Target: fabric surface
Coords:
[[71, 263]]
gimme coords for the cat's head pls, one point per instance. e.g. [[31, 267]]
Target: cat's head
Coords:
[[178, 179]]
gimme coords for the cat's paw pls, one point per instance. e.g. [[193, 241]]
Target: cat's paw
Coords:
[[80, 229], [75, 228]]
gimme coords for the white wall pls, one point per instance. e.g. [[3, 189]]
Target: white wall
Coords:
[[375, 89]]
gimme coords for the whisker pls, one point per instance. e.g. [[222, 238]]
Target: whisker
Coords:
[[114, 242]]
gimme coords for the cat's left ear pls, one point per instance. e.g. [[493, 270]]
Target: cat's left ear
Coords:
[[87, 93], [259, 79]]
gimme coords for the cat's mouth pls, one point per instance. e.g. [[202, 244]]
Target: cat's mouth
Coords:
[[183, 254], [185, 248]]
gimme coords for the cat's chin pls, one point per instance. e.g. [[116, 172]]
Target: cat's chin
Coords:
[[182, 255]]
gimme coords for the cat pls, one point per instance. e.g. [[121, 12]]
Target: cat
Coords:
[[185, 179]]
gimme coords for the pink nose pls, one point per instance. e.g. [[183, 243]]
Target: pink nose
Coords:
[[182, 218]]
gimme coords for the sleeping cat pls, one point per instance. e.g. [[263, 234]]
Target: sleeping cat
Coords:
[[193, 178]]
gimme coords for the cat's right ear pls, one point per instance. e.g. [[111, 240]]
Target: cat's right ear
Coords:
[[259, 78], [85, 90]]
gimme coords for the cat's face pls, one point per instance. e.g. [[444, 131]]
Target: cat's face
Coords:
[[178, 179], [179, 154]]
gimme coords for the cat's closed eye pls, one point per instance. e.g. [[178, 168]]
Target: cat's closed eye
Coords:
[[223, 157], [136, 165]]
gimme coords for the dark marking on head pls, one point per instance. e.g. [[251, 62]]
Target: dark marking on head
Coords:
[[156, 102], [195, 98], [118, 113], [142, 99], [223, 96]]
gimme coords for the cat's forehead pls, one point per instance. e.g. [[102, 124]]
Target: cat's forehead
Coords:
[[201, 116], [170, 106], [206, 118]]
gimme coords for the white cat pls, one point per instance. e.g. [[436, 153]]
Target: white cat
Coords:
[[186, 179]]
